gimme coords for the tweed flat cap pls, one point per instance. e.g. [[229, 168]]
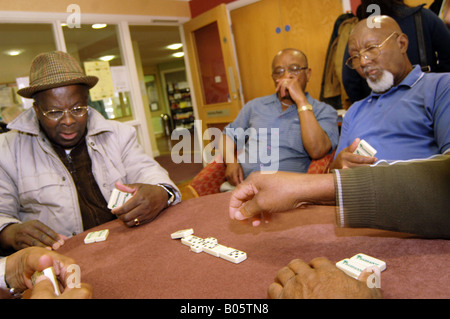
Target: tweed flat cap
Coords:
[[55, 69]]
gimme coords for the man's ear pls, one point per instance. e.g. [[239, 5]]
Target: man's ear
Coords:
[[35, 107], [308, 74], [403, 42]]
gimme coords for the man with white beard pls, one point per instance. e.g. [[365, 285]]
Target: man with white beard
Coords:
[[407, 115]]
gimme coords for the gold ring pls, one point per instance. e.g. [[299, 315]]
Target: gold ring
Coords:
[[285, 83], [136, 222]]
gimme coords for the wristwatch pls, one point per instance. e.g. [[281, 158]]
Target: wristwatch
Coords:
[[170, 192], [306, 107]]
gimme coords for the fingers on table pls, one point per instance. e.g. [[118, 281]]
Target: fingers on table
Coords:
[[296, 267]]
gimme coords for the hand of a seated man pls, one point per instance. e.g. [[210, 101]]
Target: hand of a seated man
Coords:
[[320, 279]]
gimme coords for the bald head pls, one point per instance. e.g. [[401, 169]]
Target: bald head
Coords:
[[293, 52], [379, 24]]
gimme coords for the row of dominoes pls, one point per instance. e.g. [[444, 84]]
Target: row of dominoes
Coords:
[[355, 265], [96, 236], [209, 245]]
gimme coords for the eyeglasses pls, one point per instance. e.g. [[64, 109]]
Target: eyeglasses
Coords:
[[370, 53], [292, 69], [77, 111]]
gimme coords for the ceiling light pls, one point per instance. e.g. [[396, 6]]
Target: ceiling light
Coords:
[[14, 52], [99, 25], [107, 57], [178, 54], [175, 46]]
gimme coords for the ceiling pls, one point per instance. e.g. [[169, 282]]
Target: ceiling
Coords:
[[85, 42], [152, 42]]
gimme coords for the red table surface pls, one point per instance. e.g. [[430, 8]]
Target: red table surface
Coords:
[[144, 262]]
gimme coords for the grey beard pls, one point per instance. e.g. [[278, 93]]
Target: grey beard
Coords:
[[383, 84]]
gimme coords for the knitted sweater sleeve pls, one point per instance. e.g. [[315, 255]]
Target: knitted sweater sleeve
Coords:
[[410, 197]]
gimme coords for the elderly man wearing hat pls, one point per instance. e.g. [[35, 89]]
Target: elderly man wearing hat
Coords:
[[61, 161]]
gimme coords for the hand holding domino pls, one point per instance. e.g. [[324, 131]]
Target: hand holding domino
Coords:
[[50, 274], [356, 154], [365, 149], [118, 198]]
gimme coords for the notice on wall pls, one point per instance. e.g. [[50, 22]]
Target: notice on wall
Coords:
[[120, 79], [105, 86]]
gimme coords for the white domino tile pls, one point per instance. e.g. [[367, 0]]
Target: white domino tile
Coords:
[[236, 256], [182, 233]]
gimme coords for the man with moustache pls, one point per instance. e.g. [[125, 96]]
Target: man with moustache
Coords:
[[61, 161], [407, 115], [307, 128]]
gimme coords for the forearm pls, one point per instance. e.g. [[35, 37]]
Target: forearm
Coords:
[[279, 192], [315, 141], [227, 150], [312, 188], [408, 197]]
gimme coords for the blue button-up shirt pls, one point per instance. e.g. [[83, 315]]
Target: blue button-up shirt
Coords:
[[272, 138], [411, 120]]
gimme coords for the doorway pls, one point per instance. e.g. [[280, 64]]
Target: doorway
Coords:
[[161, 71], [165, 92]]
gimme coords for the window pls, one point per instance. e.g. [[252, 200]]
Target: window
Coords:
[[20, 44], [111, 96]]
